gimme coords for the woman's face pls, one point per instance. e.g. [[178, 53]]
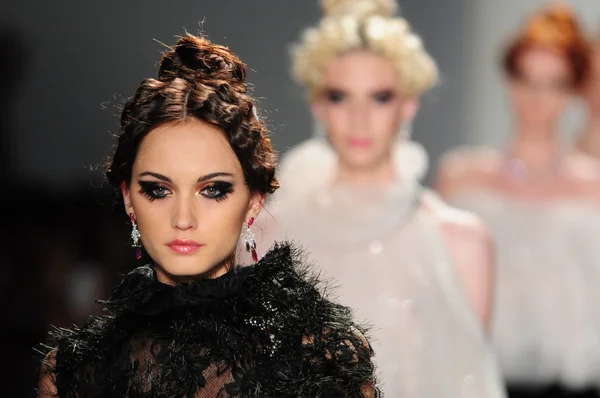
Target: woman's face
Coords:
[[542, 90], [362, 108], [190, 200]]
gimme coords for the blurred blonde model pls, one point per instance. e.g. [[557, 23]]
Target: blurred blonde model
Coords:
[[419, 271], [541, 201]]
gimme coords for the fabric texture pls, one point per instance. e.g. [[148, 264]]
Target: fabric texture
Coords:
[[266, 330]]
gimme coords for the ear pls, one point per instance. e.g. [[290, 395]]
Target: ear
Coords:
[[126, 198], [410, 107], [257, 201]]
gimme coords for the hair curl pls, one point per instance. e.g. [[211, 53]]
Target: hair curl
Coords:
[[363, 24], [554, 27], [201, 80]]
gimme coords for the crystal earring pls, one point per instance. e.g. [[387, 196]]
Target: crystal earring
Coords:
[[135, 236], [250, 241]]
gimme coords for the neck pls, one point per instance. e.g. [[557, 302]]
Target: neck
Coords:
[[535, 147], [380, 173]]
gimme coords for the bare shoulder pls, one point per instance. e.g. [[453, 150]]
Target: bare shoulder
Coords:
[[466, 166], [470, 247], [583, 168], [450, 216], [583, 172], [456, 224]]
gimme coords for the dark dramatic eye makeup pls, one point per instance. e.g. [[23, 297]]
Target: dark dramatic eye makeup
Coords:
[[334, 95], [153, 190], [337, 96], [384, 96], [214, 190], [217, 190]]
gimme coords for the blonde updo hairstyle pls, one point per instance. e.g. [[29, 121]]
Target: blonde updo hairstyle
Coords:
[[363, 25]]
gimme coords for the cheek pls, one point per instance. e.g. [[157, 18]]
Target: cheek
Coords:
[[153, 220], [222, 221], [215, 220], [386, 123], [519, 98], [336, 121], [594, 96], [520, 95]]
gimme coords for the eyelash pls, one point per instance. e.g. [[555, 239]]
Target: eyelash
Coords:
[[384, 98], [335, 96], [150, 190]]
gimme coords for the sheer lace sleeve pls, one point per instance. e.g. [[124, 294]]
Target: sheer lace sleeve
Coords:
[[346, 360]]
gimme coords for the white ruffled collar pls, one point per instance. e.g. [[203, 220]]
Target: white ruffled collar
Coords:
[[351, 213]]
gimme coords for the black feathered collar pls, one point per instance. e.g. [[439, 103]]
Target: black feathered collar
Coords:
[[141, 292]]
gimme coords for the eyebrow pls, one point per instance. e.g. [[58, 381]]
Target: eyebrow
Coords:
[[201, 179]]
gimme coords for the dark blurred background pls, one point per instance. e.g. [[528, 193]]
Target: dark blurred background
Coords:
[[65, 68]]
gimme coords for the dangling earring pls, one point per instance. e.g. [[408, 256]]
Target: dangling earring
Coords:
[[135, 236], [250, 241]]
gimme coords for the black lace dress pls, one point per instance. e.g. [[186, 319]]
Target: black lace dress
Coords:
[[259, 331]]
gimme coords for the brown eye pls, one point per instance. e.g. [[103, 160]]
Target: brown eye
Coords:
[[217, 191], [153, 190], [212, 191]]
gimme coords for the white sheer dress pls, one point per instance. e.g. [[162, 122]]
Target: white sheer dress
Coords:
[[389, 263], [546, 326]]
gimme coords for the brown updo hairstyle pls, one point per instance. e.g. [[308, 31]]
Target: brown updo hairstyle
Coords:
[[201, 80], [554, 27]]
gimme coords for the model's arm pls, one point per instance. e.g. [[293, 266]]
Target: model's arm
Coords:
[[349, 368], [471, 248]]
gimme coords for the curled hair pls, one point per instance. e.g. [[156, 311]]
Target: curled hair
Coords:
[[556, 28], [358, 7], [201, 80], [363, 24]]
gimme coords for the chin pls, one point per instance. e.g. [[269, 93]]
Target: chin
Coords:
[[183, 270], [187, 266], [362, 161], [186, 270]]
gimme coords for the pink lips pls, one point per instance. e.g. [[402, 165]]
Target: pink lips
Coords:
[[184, 246], [359, 142]]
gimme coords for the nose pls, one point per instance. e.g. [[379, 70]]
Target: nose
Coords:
[[184, 216], [359, 116]]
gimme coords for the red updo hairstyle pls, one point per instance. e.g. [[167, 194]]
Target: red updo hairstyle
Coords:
[[555, 27]]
